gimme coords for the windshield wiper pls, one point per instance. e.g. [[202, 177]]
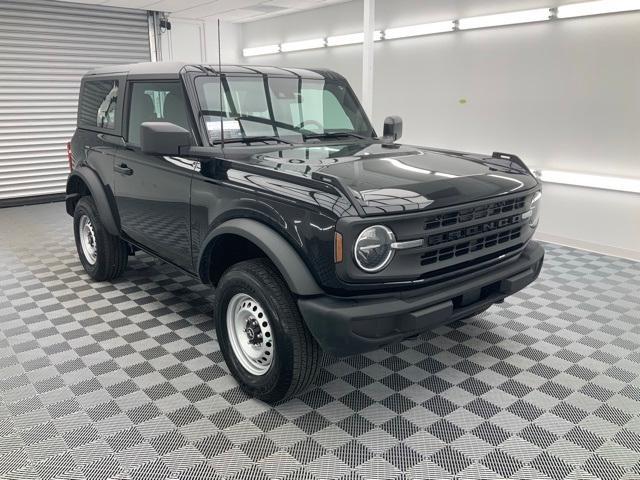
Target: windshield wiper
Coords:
[[332, 135], [248, 140]]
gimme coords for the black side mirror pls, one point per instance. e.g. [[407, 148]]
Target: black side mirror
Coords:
[[163, 138], [392, 130]]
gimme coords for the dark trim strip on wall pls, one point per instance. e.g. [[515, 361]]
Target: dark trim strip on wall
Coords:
[[18, 202]]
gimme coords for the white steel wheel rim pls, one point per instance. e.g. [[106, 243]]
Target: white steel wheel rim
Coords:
[[250, 334], [88, 240]]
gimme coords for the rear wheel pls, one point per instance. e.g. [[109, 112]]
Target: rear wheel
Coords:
[[261, 333], [103, 256]]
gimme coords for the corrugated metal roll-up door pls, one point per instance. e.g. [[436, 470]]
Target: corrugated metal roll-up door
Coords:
[[45, 48]]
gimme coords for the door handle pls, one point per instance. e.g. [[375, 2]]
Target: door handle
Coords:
[[123, 169]]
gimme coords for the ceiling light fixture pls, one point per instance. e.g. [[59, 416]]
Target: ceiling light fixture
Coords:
[[416, 30], [303, 45], [351, 39], [264, 50], [597, 8], [511, 18]]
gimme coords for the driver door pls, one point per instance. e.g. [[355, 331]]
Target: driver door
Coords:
[[153, 191]]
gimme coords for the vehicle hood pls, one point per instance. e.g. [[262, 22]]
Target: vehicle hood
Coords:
[[402, 178]]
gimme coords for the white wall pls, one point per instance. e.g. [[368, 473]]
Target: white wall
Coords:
[[599, 220], [195, 41], [564, 95], [230, 38], [184, 42], [333, 20]]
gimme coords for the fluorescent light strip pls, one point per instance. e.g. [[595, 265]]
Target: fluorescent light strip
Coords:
[[416, 30], [511, 18], [302, 45], [265, 50], [351, 39], [620, 184], [597, 8]]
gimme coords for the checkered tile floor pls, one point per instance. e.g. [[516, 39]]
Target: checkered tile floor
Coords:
[[125, 380]]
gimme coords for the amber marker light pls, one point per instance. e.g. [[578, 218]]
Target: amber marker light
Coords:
[[337, 255]]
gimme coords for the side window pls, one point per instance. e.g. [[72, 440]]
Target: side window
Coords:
[[98, 104], [156, 102]]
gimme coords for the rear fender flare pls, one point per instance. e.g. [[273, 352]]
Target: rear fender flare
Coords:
[[99, 194]]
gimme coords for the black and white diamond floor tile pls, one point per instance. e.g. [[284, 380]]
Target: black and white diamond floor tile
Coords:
[[125, 380]]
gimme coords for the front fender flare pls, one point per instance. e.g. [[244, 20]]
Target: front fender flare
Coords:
[[286, 259], [99, 194]]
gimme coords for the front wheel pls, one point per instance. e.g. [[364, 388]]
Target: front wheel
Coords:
[[261, 333]]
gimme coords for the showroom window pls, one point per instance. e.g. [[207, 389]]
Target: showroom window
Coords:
[[99, 104], [156, 102]]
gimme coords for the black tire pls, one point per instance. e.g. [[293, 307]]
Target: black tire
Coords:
[[296, 355], [112, 251]]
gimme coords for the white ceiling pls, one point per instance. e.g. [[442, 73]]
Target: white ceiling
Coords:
[[235, 11]]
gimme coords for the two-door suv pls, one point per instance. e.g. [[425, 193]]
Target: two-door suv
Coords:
[[271, 185]]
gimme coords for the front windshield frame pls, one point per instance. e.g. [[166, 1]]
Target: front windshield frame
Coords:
[[234, 124]]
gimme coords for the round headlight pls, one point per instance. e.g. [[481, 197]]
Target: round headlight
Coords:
[[373, 250], [535, 210]]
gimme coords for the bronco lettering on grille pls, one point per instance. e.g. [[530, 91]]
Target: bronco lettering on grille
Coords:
[[473, 230]]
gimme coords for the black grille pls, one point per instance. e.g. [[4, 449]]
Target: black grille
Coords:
[[471, 246], [459, 236], [475, 213], [472, 230]]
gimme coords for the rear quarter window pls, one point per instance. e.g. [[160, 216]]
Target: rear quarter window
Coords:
[[98, 104]]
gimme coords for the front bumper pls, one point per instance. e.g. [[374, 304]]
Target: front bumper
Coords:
[[345, 326]]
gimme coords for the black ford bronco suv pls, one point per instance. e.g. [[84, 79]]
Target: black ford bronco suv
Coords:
[[272, 185]]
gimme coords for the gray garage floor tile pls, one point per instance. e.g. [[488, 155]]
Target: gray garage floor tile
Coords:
[[125, 380]]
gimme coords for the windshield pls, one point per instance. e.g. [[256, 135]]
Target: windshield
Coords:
[[292, 109]]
